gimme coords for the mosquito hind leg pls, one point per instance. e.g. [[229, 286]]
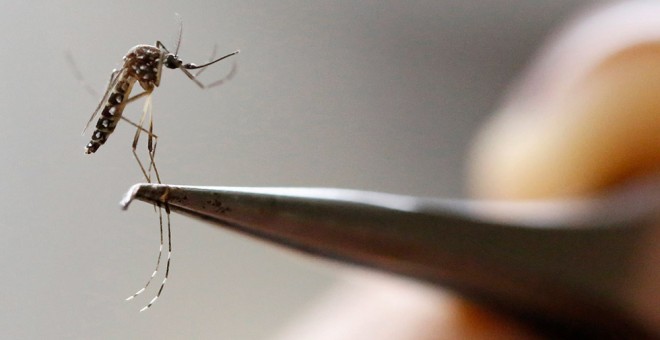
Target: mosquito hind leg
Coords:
[[139, 127], [169, 254], [113, 80], [146, 111], [160, 255], [151, 146], [213, 53], [153, 138], [152, 143], [137, 96]]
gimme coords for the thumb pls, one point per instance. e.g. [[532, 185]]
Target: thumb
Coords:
[[585, 116]]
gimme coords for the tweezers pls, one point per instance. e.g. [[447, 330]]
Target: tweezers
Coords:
[[563, 266]]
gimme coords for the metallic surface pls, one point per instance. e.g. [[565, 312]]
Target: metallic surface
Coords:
[[559, 264]]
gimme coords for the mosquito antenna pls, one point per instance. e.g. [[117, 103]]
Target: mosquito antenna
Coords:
[[178, 40], [192, 66]]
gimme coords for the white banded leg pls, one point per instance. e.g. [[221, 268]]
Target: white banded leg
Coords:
[[152, 143], [140, 129], [160, 253], [151, 146], [146, 111], [169, 257]]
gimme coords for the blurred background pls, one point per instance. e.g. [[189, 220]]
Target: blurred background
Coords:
[[377, 95]]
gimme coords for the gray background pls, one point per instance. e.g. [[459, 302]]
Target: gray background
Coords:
[[379, 95]]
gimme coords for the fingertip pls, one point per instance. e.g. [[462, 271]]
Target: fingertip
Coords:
[[573, 128]]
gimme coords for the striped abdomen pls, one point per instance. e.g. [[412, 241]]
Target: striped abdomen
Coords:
[[112, 110]]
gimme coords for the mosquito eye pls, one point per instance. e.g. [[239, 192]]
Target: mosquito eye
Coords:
[[172, 61]]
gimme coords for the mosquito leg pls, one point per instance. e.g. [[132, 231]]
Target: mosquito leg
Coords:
[[151, 135], [137, 126], [132, 99], [148, 111], [152, 151], [160, 254], [192, 77], [228, 77], [79, 76], [152, 138], [169, 257], [136, 97], [160, 45], [215, 50], [76, 72], [147, 108], [185, 69], [152, 142], [113, 80], [224, 79], [152, 154]]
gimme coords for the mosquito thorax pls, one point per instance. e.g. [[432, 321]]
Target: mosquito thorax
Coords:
[[142, 63]]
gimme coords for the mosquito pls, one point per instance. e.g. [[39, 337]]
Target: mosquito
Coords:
[[143, 64]]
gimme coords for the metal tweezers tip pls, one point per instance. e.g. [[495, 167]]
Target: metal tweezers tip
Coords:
[[133, 192]]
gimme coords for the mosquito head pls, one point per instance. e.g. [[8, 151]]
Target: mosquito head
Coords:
[[172, 61]]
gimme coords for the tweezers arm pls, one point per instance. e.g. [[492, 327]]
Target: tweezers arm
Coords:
[[352, 226], [520, 269]]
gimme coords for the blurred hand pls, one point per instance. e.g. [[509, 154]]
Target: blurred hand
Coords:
[[585, 117]]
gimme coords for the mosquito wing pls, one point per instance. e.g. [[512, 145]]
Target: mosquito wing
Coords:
[[114, 77]]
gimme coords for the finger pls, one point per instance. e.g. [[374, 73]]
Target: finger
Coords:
[[375, 306], [586, 115]]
